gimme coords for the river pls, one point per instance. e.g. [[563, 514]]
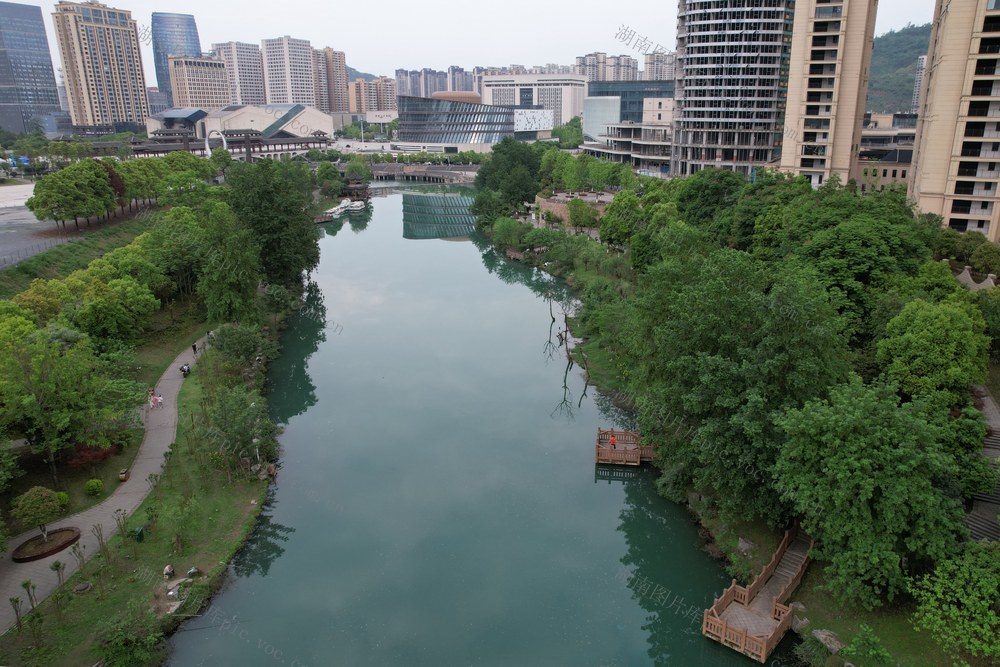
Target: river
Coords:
[[438, 502]]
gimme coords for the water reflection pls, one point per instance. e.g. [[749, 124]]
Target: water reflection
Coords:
[[359, 219], [674, 612], [292, 391], [264, 545], [437, 216]]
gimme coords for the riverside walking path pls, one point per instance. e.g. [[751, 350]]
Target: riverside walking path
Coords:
[[160, 432]]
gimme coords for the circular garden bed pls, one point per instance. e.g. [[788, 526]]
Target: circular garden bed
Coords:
[[36, 548]]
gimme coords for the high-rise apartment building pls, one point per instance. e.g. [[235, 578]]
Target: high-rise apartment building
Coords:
[[321, 81], [173, 35], [918, 81], [27, 83], [336, 80], [659, 66], [288, 71], [245, 70], [460, 80], [956, 159], [827, 87], [99, 48], [600, 66], [199, 82], [376, 95], [733, 59]]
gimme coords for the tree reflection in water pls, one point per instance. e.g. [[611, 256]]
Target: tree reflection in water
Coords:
[[263, 546], [292, 391]]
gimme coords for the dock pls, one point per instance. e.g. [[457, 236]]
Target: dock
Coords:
[[753, 619], [627, 449]]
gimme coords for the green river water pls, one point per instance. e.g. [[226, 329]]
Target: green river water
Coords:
[[438, 502]]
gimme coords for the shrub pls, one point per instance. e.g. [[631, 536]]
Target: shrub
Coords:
[[63, 498], [94, 487], [986, 258]]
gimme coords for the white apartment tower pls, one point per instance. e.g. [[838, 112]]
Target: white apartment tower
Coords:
[[245, 70], [827, 87], [659, 66], [918, 81], [288, 71]]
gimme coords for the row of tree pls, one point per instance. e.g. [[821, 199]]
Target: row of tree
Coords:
[[795, 353], [66, 345]]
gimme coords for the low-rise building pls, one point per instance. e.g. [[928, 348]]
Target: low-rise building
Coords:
[[646, 146]]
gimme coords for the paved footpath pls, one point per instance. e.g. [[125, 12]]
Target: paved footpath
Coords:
[[161, 429]]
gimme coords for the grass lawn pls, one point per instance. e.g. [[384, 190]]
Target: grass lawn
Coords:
[[60, 261], [890, 623], [192, 501]]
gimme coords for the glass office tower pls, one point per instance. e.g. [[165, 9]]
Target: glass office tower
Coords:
[[173, 35]]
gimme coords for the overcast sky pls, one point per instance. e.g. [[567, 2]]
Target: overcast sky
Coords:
[[381, 36]]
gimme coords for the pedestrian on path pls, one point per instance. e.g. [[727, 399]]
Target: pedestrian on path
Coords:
[[194, 348]]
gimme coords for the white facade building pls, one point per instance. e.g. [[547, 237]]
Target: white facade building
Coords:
[[289, 76], [560, 93]]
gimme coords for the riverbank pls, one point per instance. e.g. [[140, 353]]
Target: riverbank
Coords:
[[723, 537], [195, 516]]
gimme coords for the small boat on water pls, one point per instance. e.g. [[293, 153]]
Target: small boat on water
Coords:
[[356, 206]]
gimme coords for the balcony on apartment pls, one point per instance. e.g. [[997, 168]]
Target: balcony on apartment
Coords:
[[976, 209], [967, 169], [981, 149], [975, 189]]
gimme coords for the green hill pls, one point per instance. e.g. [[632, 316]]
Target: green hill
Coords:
[[894, 65], [353, 74]]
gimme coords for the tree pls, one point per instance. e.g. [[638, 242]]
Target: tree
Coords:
[[277, 216], [228, 280], [710, 191], [54, 390], [958, 602], [720, 343], [581, 214], [986, 258], [621, 219], [221, 159], [932, 347], [570, 134], [865, 649], [356, 170], [37, 506], [863, 471]]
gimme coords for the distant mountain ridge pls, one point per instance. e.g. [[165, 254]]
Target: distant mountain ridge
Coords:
[[894, 67], [353, 74]]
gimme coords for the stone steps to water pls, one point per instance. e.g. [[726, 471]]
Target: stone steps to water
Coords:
[[982, 527]]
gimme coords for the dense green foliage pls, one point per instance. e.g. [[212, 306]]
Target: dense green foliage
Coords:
[[794, 353], [570, 135], [894, 65], [959, 602]]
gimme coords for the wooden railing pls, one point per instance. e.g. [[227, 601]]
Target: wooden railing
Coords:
[[630, 457], [768, 570], [754, 646], [626, 450], [794, 582], [621, 437]]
